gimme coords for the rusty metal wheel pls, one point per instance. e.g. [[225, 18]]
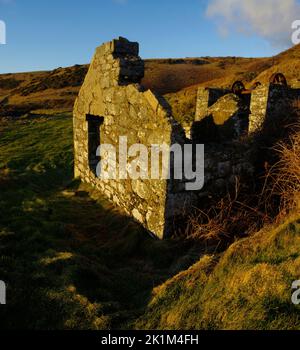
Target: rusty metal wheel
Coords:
[[238, 88], [278, 79]]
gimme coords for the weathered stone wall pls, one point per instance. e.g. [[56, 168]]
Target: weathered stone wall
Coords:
[[225, 165], [206, 97], [111, 93], [269, 102], [112, 104], [220, 116]]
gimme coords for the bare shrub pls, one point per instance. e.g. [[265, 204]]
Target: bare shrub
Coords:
[[274, 194], [283, 179], [235, 215]]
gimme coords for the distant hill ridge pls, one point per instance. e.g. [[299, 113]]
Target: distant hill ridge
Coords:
[[55, 91]]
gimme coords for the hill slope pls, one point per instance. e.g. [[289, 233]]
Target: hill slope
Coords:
[[248, 288], [249, 71], [73, 261], [69, 258], [55, 91]]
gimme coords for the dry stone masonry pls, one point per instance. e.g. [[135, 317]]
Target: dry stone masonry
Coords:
[[244, 113], [270, 102], [112, 104]]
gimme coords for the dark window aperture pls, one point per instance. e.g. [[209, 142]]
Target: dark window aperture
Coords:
[[94, 139]]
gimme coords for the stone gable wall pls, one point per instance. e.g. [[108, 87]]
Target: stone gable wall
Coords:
[[111, 91]]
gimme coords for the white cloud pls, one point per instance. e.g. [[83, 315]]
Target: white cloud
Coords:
[[269, 19]]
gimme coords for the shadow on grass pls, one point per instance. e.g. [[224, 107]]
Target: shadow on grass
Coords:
[[69, 258]]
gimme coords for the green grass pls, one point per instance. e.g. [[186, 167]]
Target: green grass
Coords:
[[70, 259], [73, 261], [249, 287]]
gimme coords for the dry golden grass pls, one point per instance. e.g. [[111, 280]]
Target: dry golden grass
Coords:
[[246, 288], [179, 79], [285, 175], [274, 194], [249, 71], [234, 216]]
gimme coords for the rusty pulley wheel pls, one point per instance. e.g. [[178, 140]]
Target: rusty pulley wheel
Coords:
[[255, 85], [238, 88], [278, 79]]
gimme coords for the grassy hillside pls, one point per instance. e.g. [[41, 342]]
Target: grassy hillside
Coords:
[[249, 71], [249, 287], [53, 91], [56, 90], [178, 79], [73, 261]]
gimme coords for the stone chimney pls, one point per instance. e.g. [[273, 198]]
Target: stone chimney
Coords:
[[120, 62]]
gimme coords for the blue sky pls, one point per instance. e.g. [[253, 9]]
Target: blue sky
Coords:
[[49, 34]]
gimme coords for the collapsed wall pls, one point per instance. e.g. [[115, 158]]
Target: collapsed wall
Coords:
[[221, 116], [111, 104]]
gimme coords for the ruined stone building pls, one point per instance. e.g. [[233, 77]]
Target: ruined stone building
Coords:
[[241, 113], [112, 104]]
